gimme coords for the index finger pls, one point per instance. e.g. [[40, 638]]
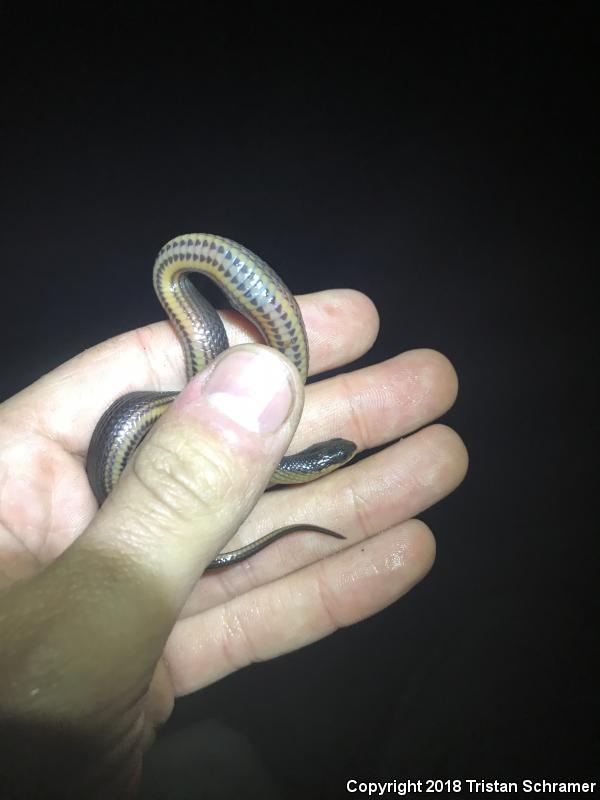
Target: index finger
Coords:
[[66, 403]]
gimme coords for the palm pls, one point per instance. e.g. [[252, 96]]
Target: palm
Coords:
[[46, 502]]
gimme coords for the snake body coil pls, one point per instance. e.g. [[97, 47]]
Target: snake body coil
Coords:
[[257, 292]]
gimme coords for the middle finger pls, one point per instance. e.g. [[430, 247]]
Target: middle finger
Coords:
[[393, 485]]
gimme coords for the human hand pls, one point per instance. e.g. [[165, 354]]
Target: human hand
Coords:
[[103, 617]]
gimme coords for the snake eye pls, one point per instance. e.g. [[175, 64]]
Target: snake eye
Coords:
[[342, 450]]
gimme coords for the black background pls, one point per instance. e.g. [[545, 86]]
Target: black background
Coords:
[[445, 166]]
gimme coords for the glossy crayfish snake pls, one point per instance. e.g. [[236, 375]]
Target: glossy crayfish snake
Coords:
[[256, 291]]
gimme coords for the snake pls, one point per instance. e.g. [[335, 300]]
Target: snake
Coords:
[[252, 288]]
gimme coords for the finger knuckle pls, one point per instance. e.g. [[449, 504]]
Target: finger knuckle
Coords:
[[184, 476]]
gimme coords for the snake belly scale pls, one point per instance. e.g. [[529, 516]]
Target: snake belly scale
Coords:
[[256, 291]]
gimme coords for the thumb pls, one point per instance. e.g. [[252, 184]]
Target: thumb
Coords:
[[202, 468], [82, 638]]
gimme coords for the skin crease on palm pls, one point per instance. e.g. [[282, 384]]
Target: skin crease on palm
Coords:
[[103, 627]]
